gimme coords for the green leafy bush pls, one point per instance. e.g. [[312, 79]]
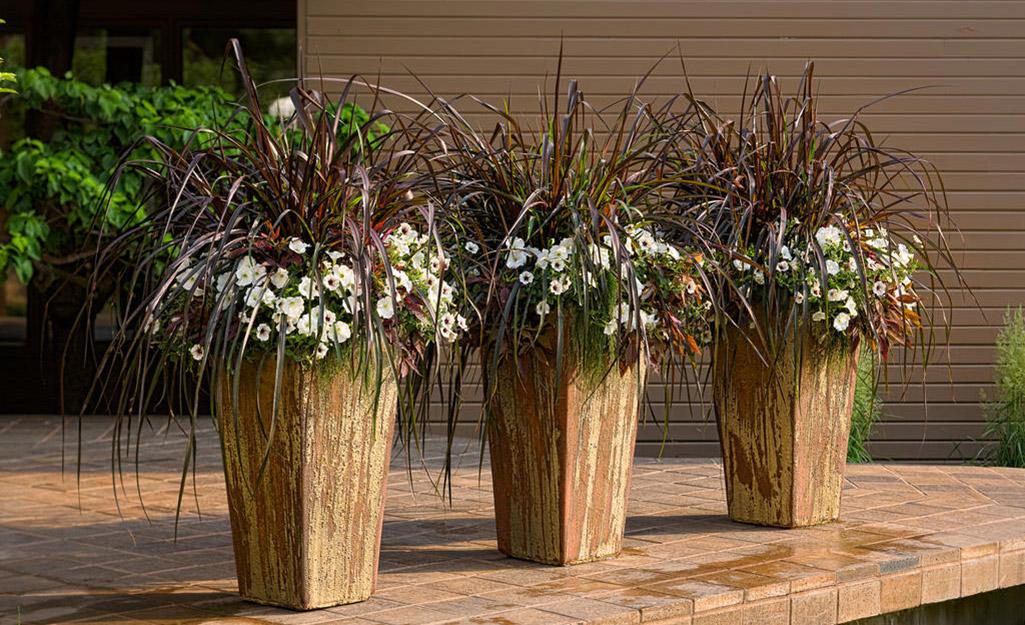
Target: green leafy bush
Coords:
[[1007, 407], [56, 193], [866, 408]]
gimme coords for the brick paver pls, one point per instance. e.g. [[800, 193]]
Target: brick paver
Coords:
[[70, 552]]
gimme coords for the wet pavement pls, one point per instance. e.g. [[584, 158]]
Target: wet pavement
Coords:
[[73, 552]]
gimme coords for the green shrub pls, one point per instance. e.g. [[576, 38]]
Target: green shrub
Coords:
[[866, 408], [56, 192], [1006, 409]]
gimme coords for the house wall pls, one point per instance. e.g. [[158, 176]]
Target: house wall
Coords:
[[970, 122]]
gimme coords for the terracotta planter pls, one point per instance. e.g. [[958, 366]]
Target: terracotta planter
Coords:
[[561, 455], [308, 534], [783, 429]]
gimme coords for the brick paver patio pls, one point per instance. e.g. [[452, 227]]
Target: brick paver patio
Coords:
[[911, 534]]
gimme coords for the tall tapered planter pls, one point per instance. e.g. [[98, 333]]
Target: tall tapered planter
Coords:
[[562, 444], [784, 420], [307, 530]]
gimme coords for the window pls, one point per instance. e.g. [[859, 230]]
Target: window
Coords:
[[270, 54]]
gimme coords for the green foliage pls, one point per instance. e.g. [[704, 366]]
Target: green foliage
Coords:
[[866, 407], [57, 193], [1007, 408]]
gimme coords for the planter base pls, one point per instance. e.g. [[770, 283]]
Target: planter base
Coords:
[[561, 454], [308, 533], [783, 430]]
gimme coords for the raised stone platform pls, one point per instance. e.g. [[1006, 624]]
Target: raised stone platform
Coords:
[[911, 535]]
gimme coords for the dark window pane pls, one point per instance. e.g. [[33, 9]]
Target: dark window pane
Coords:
[[117, 55], [270, 54]]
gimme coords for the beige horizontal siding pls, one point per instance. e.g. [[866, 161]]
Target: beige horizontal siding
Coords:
[[969, 120]]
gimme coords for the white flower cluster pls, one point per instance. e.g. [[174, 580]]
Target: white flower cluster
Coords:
[[315, 305], [418, 269], [564, 268], [840, 300]]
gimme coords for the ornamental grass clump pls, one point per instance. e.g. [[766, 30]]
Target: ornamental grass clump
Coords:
[[306, 241], [1006, 406], [820, 227], [563, 227]]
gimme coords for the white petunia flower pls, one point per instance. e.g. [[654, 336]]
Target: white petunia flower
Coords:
[[279, 278], [298, 246], [784, 253], [197, 352], [818, 316], [438, 264], [782, 266], [903, 255], [399, 245], [841, 322], [342, 331], [836, 295], [759, 277], [334, 255], [741, 265], [186, 281], [308, 288], [254, 296], [331, 282], [249, 272], [385, 308], [526, 278], [542, 308], [828, 235], [291, 307], [222, 282], [557, 287], [611, 327], [879, 288], [471, 247], [518, 255], [558, 264], [542, 259], [799, 297], [448, 333], [851, 306], [263, 332], [346, 276], [308, 324], [832, 267], [322, 350]]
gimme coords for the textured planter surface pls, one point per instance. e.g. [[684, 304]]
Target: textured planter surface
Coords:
[[308, 534], [783, 430], [561, 457]]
